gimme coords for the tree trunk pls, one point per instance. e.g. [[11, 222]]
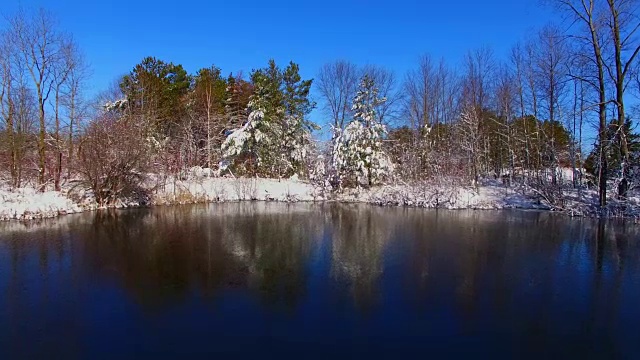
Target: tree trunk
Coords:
[[13, 153], [72, 116], [619, 83], [58, 169], [42, 155]]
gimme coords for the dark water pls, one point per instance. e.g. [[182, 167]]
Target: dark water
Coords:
[[318, 281]]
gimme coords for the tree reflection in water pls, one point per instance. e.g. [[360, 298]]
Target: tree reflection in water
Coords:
[[526, 277]]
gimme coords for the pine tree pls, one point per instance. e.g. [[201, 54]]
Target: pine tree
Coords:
[[275, 138], [358, 154], [613, 157], [252, 144], [155, 91], [296, 127]]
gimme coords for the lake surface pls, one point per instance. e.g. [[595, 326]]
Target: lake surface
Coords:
[[318, 281]]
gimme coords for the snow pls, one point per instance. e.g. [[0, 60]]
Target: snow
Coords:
[[117, 105], [199, 187], [27, 204], [231, 189], [488, 196], [358, 156]]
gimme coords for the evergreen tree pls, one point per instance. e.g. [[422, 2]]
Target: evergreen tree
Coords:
[[358, 155], [296, 126], [275, 138], [155, 91], [251, 145], [613, 154]]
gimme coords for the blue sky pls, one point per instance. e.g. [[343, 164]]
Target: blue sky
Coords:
[[242, 35]]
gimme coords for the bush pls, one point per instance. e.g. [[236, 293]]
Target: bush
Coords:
[[113, 159]]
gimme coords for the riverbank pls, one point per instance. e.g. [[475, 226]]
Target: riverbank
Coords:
[[27, 204]]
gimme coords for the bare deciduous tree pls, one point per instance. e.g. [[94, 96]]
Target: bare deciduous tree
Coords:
[[337, 83], [40, 47], [551, 62], [623, 22], [7, 110], [61, 71], [74, 102], [113, 157], [588, 19], [387, 85]]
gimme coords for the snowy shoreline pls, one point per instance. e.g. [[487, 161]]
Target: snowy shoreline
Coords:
[[27, 204]]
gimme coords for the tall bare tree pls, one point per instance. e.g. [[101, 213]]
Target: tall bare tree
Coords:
[[7, 109], [40, 47], [74, 102], [588, 26], [61, 71], [522, 75], [386, 82], [210, 95], [422, 94], [506, 92], [623, 22], [337, 83], [475, 98], [551, 64]]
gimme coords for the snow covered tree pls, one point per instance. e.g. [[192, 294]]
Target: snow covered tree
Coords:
[[614, 156], [296, 138], [155, 91], [274, 140], [238, 95], [358, 154], [251, 145]]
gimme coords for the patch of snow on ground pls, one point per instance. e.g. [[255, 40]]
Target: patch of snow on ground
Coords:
[[445, 197], [28, 204], [201, 187], [231, 189]]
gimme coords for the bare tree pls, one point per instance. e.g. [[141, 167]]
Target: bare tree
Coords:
[[587, 17], [39, 45], [337, 83], [506, 90], [113, 157], [470, 140], [480, 67], [74, 101], [386, 82], [551, 62], [209, 100], [524, 82], [422, 94], [61, 71], [475, 98], [623, 22], [7, 110], [518, 65]]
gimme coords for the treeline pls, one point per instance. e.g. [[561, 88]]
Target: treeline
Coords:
[[519, 119], [42, 75]]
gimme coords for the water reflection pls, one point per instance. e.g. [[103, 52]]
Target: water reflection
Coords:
[[161, 257], [358, 236], [515, 281]]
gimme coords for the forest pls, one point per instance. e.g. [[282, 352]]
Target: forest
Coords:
[[565, 97]]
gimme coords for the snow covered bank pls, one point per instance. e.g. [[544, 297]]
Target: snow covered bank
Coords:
[[27, 204], [445, 197], [203, 189]]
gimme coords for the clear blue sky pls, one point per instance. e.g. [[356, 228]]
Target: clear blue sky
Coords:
[[242, 35]]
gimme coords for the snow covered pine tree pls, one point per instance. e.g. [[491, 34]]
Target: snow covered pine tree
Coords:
[[358, 155]]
